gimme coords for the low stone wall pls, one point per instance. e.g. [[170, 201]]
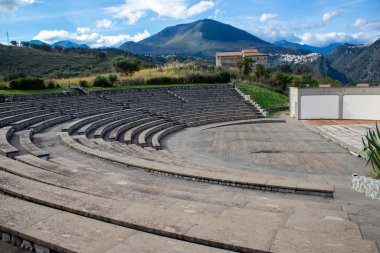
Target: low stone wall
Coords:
[[367, 185]]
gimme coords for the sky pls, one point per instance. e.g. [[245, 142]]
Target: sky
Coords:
[[110, 23]]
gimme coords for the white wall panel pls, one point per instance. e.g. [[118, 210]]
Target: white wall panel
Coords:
[[320, 107], [361, 107]]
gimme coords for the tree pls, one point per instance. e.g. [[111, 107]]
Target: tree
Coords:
[[14, 43], [244, 65], [302, 69], [25, 43], [58, 48], [286, 68], [283, 80], [126, 66], [101, 81], [259, 72]]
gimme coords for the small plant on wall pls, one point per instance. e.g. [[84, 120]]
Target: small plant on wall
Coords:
[[371, 151]]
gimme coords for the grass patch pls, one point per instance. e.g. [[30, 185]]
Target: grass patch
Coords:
[[6, 91], [147, 86], [264, 97]]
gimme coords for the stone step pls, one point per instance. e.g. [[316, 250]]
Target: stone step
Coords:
[[249, 228], [50, 229]]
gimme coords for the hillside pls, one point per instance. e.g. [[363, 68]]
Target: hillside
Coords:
[[29, 61], [359, 63], [322, 50], [68, 44], [203, 38]]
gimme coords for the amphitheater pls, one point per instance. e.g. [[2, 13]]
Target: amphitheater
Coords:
[[178, 169]]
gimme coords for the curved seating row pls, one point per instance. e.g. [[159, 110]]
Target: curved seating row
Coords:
[[14, 118], [88, 128], [6, 148], [144, 135], [33, 120], [156, 138], [73, 126], [27, 144], [117, 132], [129, 134], [101, 131]]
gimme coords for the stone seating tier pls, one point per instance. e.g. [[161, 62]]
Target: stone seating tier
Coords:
[[88, 128], [129, 135], [33, 120], [144, 135], [27, 144], [6, 148], [117, 132], [10, 119]]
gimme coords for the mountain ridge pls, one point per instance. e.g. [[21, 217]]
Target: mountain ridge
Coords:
[[203, 38], [322, 50]]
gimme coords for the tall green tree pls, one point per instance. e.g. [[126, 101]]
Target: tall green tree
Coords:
[[282, 80], [244, 65], [126, 66], [25, 43], [259, 72]]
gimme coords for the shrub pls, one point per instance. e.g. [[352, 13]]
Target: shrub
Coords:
[[162, 80], [83, 83], [371, 151], [135, 81], [51, 85], [101, 81], [112, 78], [28, 83]]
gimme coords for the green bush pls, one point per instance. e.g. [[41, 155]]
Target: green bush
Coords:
[[135, 81], [371, 151], [28, 83], [83, 83], [51, 85], [112, 78], [164, 80], [101, 81], [222, 77]]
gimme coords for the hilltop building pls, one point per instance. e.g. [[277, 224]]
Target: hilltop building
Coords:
[[228, 59]]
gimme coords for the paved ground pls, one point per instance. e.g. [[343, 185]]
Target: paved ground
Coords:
[[254, 219], [347, 133], [285, 149]]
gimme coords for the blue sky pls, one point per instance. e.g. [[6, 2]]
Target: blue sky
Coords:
[[113, 22]]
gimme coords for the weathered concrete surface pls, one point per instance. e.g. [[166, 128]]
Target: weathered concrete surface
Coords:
[[251, 219]]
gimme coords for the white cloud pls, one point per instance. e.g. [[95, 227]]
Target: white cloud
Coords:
[[328, 16], [83, 30], [365, 25], [359, 22], [92, 39], [104, 23], [218, 13], [133, 10], [323, 39], [12, 5], [267, 16]]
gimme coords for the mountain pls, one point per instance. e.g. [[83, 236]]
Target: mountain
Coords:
[[68, 44], [203, 38], [322, 50], [36, 42], [360, 63]]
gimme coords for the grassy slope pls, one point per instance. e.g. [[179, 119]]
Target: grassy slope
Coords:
[[16, 60], [45, 91], [264, 97]]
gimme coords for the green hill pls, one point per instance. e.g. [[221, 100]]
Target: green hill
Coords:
[[54, 63]]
